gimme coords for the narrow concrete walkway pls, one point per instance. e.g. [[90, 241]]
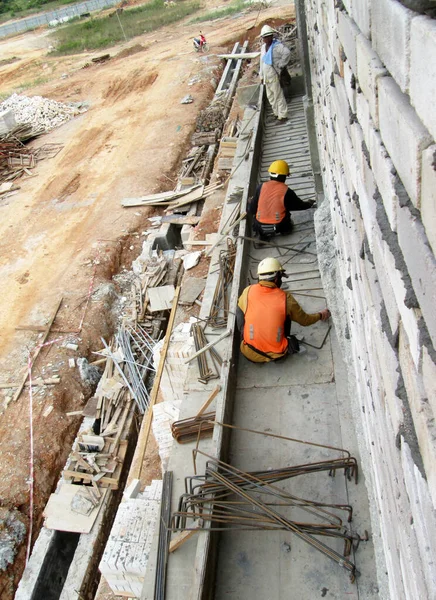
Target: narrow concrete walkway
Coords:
[[304, 397]]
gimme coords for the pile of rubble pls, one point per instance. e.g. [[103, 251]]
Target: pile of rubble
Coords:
[[41, 113]]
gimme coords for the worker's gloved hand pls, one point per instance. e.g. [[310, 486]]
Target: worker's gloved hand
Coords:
[[311, 203], [325, 314]]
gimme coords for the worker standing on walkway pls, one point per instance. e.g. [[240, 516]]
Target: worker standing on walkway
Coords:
[[265, 313], [274, 57], [273, 201]]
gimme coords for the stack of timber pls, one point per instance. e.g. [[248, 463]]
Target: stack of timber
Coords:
[[17, 160], [173, 200], [98, 453], [226, 153]]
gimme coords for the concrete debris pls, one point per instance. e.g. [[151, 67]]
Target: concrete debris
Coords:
[[90, 374], [191, 260], [81, 505], [187, 99], [12, 532], [40, 112]]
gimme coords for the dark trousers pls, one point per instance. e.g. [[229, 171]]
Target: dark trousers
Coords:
[[268, 230]]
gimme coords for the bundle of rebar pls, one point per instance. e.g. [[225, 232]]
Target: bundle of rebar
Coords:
[[206, 372], [220, 303], [226, 498], [187, 430], [137, 349], [164, 537]]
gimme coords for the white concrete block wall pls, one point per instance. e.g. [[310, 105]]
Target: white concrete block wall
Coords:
[[423, 70], [369, 70], [428, 194], [379, 174], [391, 38], [403, 134]]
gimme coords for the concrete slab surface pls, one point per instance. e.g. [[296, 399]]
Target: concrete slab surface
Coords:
[[305, 397]]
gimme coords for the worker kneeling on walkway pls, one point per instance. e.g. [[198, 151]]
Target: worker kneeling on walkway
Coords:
[[273, 201], [265, 313]]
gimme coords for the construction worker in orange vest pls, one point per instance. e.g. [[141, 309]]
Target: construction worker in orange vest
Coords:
[[273, 201], [265, 313]]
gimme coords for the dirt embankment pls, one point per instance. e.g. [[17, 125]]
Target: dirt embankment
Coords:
[[65, 227]]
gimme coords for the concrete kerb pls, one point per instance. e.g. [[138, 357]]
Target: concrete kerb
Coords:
[[204, 572], [199, 551]]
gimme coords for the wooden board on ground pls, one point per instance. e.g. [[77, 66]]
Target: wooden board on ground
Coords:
[[191, 289], [160, 298], [181, 219], [246, 55], [90, 409], [58, 514]]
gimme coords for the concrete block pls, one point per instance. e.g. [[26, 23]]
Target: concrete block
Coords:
[[424, 521], [350, 86], [429, 379], [421, 263], [387, 291], [403, 135], [341, 107], [383, 170], [391, 38], [364, 116], [421, 413], [347, 5], [347, 33], [132, 490], [7, 121], [369, 72], [185, 233], [423, 70], [409, 316], [361, 13], [428, 194]]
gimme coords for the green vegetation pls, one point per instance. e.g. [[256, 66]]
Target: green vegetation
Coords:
[[23, 8], [234, 7], [105, 31]]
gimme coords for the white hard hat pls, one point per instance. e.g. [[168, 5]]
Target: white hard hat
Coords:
[[266, 31], [268, 268]]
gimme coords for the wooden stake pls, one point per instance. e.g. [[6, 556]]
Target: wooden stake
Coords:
[[181, 539], [213, 394]]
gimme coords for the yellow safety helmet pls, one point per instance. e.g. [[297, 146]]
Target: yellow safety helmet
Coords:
[[268, 268], [279, 167]]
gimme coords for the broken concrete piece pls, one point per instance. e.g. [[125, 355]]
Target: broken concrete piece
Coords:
[[191, 289], [81, 505], [132, 490], [191, 260], [71, 363], [187, 99], [161, 298], [72, 346]]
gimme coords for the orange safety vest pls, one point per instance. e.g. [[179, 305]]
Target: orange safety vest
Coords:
[[265, 319], [271, 206]]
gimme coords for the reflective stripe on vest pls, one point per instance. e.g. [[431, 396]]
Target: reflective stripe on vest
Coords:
[[271, 205], [265, 319]]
